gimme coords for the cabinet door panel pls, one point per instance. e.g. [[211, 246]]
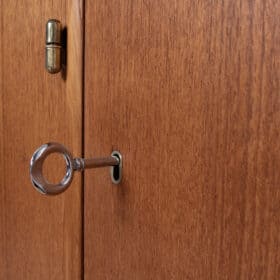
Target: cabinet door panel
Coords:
[[40, 237], [188, 91]]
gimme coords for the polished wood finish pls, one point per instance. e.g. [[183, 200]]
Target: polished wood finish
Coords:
[[188, 91], [40, 236]]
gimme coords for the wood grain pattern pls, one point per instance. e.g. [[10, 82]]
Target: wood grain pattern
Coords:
[[190, 91], [41, 237]]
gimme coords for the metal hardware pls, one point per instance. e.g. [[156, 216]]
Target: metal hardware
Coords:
[[72, 164], [53, 46], [116, 171]]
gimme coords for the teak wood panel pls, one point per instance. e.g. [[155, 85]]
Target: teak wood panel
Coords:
[[188, 91], [40, 236]]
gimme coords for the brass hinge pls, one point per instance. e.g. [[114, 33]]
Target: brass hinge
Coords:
[[53, 46]]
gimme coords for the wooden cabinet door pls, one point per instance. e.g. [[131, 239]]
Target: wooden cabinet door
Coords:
[[40, 236], [188, 91]]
